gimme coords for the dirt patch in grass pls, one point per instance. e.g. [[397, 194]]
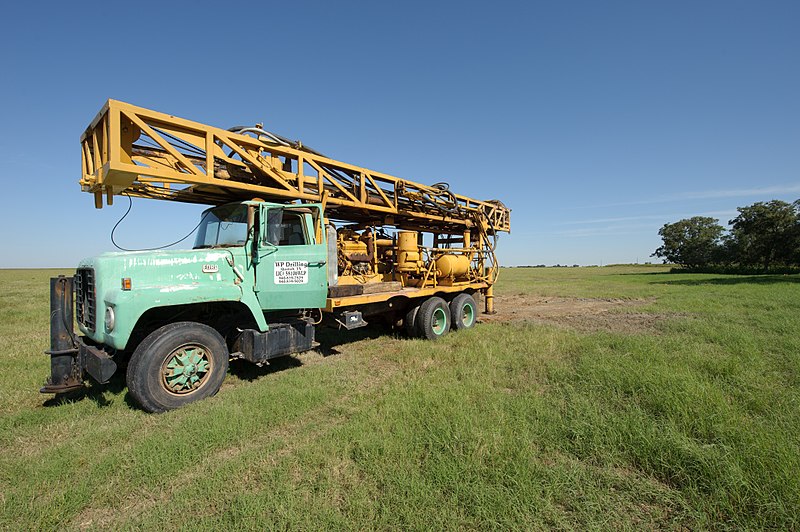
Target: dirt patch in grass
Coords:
[[583, 314]]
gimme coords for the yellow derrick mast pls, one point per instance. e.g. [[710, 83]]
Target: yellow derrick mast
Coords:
[[142, 153]]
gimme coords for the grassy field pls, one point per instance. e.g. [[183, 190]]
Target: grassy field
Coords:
[[686, 416]]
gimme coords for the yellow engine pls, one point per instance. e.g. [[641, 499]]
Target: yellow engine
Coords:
[[364, 258], [356, 252]]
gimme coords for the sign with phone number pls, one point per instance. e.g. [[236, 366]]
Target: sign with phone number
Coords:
[[291, 272]]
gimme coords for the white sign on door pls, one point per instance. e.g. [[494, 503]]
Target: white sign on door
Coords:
[[291, 272]]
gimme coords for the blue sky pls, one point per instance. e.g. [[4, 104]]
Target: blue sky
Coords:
[[596, 122]]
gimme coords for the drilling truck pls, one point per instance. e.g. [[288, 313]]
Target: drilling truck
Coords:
[[291, 240]]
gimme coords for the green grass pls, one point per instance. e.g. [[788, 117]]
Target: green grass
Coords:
[[693, 423]]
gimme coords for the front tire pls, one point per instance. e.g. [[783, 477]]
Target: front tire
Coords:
[[176, 365]]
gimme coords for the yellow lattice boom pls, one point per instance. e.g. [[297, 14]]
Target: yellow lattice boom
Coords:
[[138, 152]]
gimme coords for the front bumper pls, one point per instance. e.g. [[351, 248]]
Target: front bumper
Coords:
[[70, 367], [71, 358]]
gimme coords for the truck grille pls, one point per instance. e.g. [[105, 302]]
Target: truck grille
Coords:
[[85, 298]]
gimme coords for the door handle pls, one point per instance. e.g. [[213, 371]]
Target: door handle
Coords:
[[317, 263]]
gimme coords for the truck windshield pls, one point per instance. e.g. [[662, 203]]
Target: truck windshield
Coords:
[[223, 226]]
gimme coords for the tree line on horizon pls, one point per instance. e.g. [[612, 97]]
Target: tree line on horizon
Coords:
[[764, 236]]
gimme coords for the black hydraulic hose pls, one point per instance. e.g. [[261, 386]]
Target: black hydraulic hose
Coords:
[[130, 204], [277, 139], [186, 145]]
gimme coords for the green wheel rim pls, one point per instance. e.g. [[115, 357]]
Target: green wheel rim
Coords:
[[186, 369], [439, 321], [467, 315]]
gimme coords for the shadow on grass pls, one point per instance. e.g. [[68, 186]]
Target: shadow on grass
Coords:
[[330, 339], [750, 279], [247, 371], [95, 393], [648, 273]]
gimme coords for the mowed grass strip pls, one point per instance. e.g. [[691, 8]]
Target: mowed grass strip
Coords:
[[509, 425]]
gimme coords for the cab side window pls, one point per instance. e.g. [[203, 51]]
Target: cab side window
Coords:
[[285, 228]]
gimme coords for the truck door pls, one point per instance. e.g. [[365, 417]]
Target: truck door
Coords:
[[292, 270]]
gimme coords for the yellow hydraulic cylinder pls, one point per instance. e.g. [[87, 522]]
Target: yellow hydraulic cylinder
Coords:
[[488, 294]]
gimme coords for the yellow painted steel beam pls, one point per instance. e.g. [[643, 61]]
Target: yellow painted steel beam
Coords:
[[337, 303]]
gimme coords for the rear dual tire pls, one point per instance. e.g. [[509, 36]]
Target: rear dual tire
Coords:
[[463, 312], [410, 321], [433, 318], [430, 319]]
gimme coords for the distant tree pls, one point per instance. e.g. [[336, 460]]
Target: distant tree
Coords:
[[692, 242], [795, 252], [766, 233], [728, 251]]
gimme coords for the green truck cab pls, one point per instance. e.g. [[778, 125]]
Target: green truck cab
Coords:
[[248, 286]]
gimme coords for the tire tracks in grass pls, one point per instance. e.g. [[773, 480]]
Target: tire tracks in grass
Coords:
[[276, 444]]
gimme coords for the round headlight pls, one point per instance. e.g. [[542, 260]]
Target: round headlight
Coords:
[[109, 319]]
